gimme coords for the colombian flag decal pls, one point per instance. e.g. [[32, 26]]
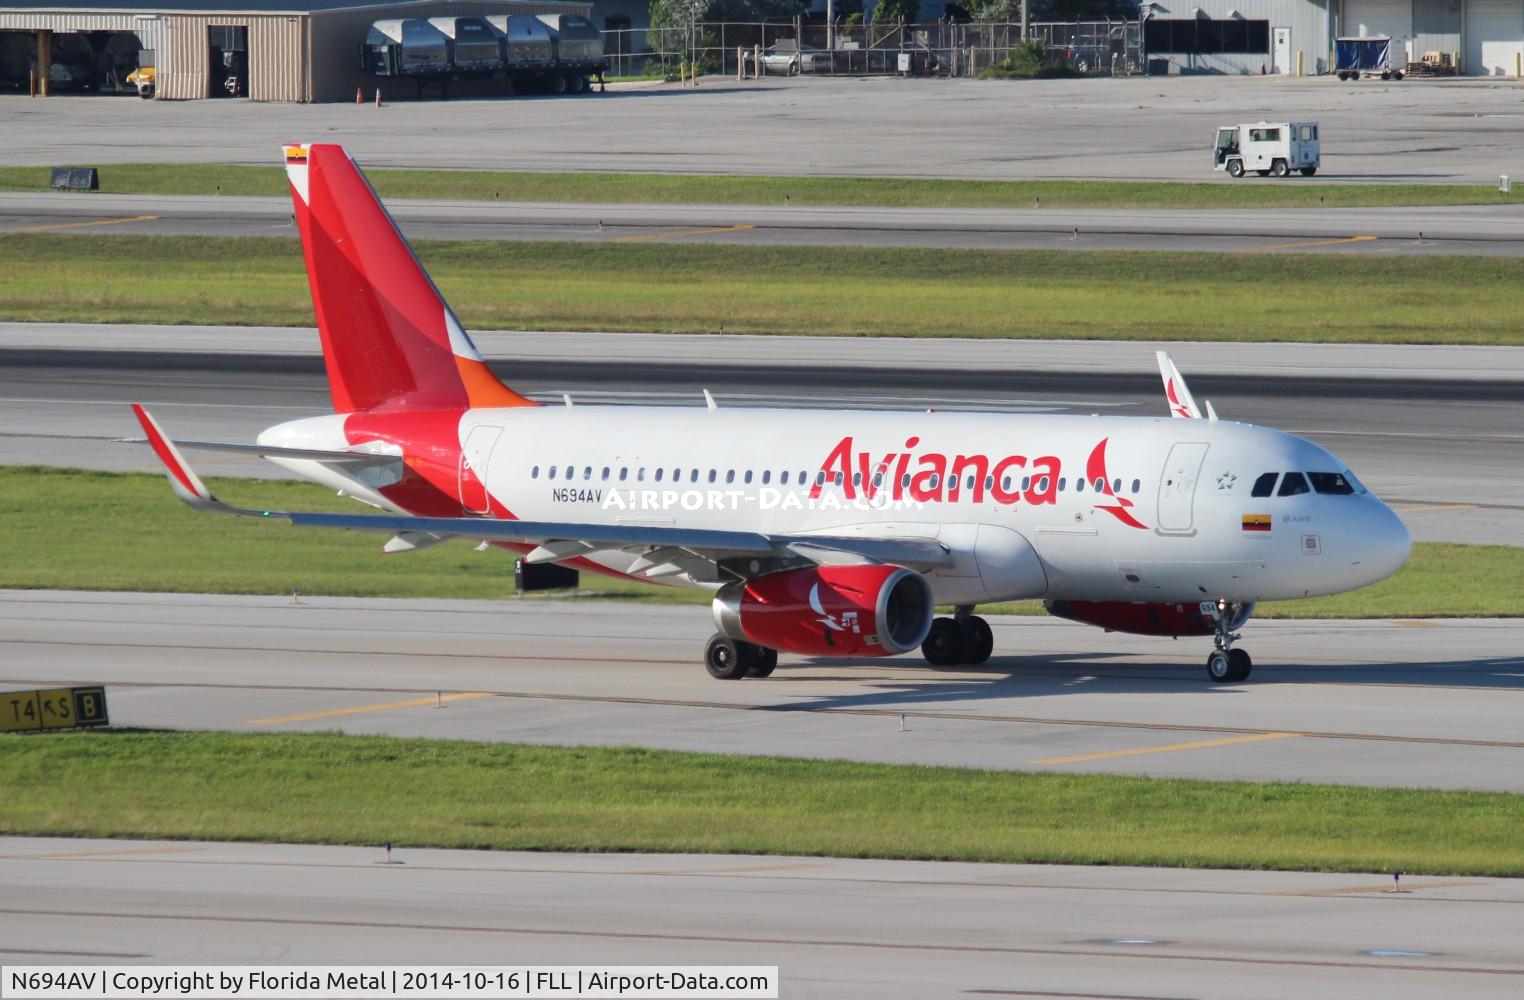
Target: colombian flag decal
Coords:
[[1256, 522]]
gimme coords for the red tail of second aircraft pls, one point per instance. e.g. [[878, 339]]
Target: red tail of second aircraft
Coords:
[[389, 339]]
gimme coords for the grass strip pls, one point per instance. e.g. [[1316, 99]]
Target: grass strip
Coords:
[[331, 788], [684, 288], [75, 530], [729, 189]]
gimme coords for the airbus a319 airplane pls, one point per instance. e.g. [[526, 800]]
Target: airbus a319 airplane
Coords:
[[827, 533]]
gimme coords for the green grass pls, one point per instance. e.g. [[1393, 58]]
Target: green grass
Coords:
[[106, 531], [203, 179], [797, 290], [329, 788]]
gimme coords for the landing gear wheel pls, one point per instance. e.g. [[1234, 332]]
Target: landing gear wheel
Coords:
[[1219, 667], [1239, 664], [762, 662], [978, 641], [944, 643], [725, 658], [1278, 169], [1235, 168]]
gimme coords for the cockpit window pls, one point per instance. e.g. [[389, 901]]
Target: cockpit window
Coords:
[[1264, 486], [1295, 484], [1357, 484], [1331, 482]]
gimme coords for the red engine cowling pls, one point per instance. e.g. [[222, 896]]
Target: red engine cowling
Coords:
[[829, 610], [1146, 619]]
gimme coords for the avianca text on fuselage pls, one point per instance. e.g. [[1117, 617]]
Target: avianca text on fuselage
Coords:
[[934, 477]]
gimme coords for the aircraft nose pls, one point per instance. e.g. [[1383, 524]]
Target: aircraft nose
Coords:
[[1378, 542]]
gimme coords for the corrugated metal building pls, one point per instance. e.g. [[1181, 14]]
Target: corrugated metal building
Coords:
[[1485, 37], [279, 53]]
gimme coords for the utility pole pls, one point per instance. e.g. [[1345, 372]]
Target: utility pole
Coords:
[[831, 25], [1023, 20]]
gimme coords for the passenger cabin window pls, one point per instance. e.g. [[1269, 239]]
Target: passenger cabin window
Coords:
[[1264, 486], [1331, 482], [1137, 485], [534, 473], [1295, 484]]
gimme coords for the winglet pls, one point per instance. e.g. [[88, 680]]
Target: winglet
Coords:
[[182, 478], [1181, 402]]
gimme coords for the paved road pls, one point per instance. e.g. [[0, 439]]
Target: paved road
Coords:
[[836, 928], [1434, 704], [1413, 131], [1452, 230], [1437, 429]]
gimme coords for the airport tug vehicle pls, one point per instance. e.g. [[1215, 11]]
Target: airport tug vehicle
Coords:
[[1270, 149]]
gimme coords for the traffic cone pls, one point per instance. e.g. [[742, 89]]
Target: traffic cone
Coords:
[[378, 97], [359, 95]]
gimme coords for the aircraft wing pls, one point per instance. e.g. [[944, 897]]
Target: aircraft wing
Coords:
[[356, 459], [663, 550], [1181, 402]]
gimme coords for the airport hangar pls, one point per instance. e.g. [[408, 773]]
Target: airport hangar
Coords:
[[1479, 37], [292, 51]]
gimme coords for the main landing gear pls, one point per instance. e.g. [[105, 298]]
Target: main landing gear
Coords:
[[964, 638], [730, 659], [1226, 665]]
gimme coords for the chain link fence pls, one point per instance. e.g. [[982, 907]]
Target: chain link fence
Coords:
[[939, 48]]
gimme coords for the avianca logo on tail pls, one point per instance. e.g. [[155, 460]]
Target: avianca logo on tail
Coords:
[[1179, 408], [934, 477]]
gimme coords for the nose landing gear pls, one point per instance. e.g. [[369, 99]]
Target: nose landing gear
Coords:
[[1226, 665]]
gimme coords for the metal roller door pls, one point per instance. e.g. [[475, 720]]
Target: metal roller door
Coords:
[[1380, 17], [1494, 37]]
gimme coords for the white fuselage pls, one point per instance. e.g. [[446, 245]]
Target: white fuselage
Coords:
[[1013, 498]]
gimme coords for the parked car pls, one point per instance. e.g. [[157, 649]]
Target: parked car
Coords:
[[790, 60]]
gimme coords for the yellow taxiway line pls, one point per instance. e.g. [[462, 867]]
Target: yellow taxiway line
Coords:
[[1168, 748], [338, 713], [81, 225], [1309, 244], [686, 232]]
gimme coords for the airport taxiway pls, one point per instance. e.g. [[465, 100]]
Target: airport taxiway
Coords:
[[1436, 429], [1474, 230], [1456, 131], [835, 928], [1392, 703]]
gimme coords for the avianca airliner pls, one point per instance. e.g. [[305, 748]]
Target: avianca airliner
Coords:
[[827, 533]]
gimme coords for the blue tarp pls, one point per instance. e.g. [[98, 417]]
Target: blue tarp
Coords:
[[1363, 53]]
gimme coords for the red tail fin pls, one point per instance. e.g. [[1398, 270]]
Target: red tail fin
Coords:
[[389, 339]]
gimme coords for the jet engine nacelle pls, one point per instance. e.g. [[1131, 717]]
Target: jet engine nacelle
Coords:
[[872, 610], [1184, 618]]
